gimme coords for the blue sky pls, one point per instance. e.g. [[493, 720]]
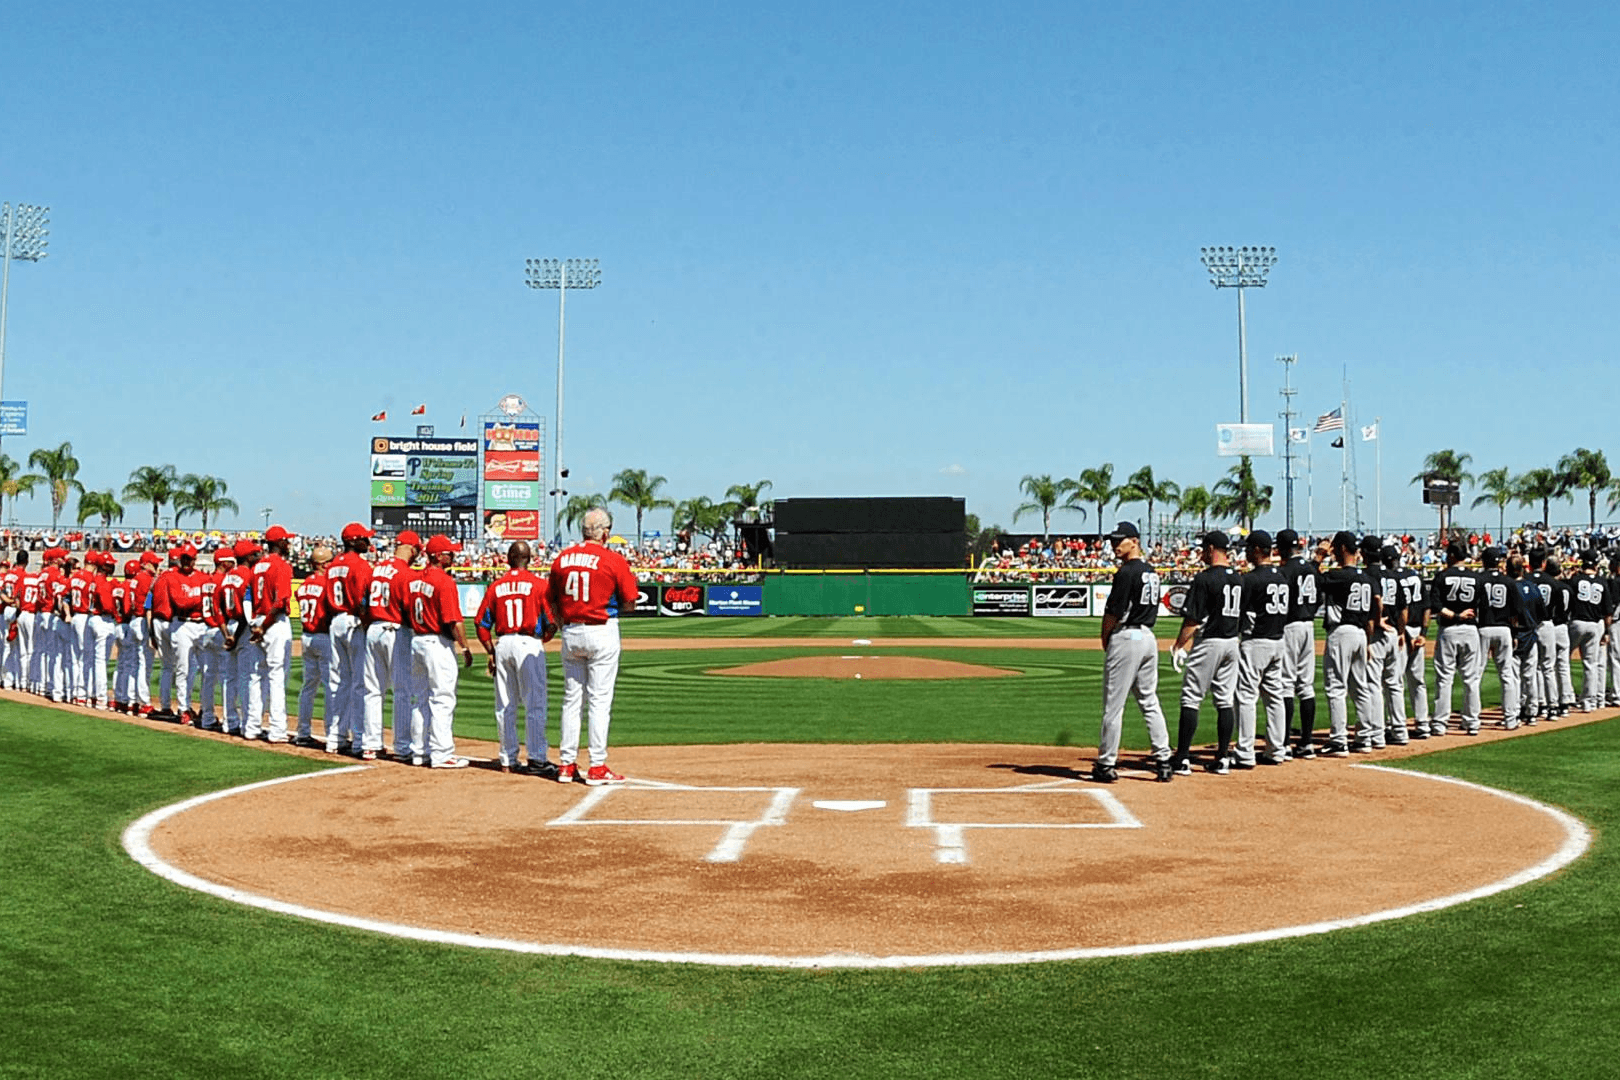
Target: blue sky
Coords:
[[921, 250]]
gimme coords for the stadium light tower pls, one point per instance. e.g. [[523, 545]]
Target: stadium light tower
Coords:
[[562, 275], [23, 232], [1240, 268]]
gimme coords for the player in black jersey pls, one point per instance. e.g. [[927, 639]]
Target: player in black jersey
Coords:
[[1211, 667], [1265, 603]]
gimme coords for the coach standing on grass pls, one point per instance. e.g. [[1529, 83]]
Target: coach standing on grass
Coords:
[[515, 613], [590, 585], [1131, 657]]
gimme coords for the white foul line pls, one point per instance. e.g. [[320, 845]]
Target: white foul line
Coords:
[[136, 841]]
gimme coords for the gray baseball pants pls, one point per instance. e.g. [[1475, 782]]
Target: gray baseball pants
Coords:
[[1384, 672], [1131, 666], [1299, 659], [1566, 678], [1344, 674], [1538, 679], [1612, 675], [1415, 677], [1496, 642], [1260, 675], [1587, 639], [1212, 668], [1457, 652]]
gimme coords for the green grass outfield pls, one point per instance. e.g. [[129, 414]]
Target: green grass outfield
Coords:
[[106, 970]]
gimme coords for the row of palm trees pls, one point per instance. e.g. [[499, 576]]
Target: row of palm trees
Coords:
[[161, 485], [1580, 470], [1235, 497], [641, 492]]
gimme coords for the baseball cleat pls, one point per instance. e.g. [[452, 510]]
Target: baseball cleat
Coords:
[[1242, 766], [1103, 774], [567, 772], [1339, 750], [545, 770], [452, 763], [1164, 771], [1306, 752], [1181, 767], [1220, 766], [368, 755], [601, 774]]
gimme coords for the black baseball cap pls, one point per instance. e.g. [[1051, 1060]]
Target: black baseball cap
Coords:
[[1371, 546], [1491, 556], [1124, 530], [1392, 555], [1344, 539], [1288, 538], [1456, 551], [1217, 540], [1259, 539], [1589, 556]]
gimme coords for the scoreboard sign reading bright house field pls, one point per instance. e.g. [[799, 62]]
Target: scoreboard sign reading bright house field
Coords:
[[426, 484]]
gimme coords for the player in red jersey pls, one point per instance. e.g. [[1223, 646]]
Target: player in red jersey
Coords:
[[235, 606], [590, 585], [515, 612], [385, 601], [317, 645], [103, 626], [211, 651], [434, 612], [410, 724], [186, 629], [348, 584], [28, 644], [272, 629], [80, 584], [160, 632], [51, 630], [123, 597], [10, 648]]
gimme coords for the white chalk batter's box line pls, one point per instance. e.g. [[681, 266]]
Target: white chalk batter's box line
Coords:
[[737, 832], [950, 837]]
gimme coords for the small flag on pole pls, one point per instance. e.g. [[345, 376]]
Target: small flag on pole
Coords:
[[1299, 435], [381, 416], [1332, 421], [419, 410], [1370, 432], [463, 419], [1338, 444]]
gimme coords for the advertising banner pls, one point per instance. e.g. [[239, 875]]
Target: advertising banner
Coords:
[[736, 600], [1099, 597], [1174, 601], [682, 600], [388, 493], [435, 473], [646, 599], [511, 524], [502, 435], [501, 495], [511, 465], [1000, 600], [1066, 601], [13, 418]]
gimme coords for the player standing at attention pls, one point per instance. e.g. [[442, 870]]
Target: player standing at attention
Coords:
[[386, 603], [1304, 579], [211, 646], [1454, 599], [410, 719], [1264, 613], [1564, 680], [435, 614], [1214, 602], [1528, 641], [514, 611], [103, 625], [1501, 613], [235, 606], [159, 631], [1385, 657], [348, 583], [317, 644], [79, 582], [1350, 612], [590, 585], [1413, 619], [1590, 614], [10, 587], [1131, 658], [272, 630]]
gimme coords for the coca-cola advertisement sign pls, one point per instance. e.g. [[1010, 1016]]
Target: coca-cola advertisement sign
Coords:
[[682, 600]]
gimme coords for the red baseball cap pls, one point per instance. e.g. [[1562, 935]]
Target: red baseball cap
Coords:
[[356, 531], [276, 532], [440, 543], [224, 551], [185, 551], [132, 567], [409, 537], [245, 547], [151, 557]]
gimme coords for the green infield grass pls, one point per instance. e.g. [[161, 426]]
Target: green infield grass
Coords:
[[106, 970]]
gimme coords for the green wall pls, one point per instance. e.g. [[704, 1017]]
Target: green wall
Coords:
[[831, 593]]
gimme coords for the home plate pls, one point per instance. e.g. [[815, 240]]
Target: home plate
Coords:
[[849, 805]]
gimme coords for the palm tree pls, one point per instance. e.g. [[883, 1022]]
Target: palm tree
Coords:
[[1144, 488], [1237, 495], [635, 489], [747, 497], [202, 495], [14, 482], [154, 484], [1586, 469], [1446, 465], [60, 470], [1044, 493], [101, 504], [574, 512], [1195, 500], [1095, 486], [1499, 488], [1542, 486]]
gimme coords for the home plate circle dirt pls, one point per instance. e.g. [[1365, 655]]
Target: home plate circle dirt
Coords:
[[864, 667], [809, 855]]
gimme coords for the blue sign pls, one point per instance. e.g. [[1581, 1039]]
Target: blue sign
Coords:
[[736, 600], [13, 418]]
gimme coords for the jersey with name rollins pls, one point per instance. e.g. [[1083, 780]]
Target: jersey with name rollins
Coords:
[[514, 588]]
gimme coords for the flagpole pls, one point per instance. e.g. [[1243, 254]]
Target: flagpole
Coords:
[[1310, 494], [1344, 465], [1378, 482]]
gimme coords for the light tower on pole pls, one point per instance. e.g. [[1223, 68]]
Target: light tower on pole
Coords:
[[562, 275], [1240, 268], [23, 235]]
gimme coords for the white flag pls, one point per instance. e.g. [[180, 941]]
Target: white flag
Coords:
[[1369, 433], [1299, 435]]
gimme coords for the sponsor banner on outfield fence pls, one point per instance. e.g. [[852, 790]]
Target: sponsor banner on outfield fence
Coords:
[[1001, 600], [1099, 597], [512, 524], [1066, 601], [682, 600], [736, 600], [1174, 600], [646, 599]]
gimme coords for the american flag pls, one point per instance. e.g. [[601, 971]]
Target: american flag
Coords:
[[1332, 421]]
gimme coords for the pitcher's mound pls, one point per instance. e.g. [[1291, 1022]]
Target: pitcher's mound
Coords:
[[865, 667]]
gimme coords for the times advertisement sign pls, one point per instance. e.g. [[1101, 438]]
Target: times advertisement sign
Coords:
[[501, 495]]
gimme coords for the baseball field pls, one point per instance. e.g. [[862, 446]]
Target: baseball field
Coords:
[[109, 970]]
